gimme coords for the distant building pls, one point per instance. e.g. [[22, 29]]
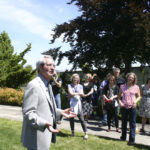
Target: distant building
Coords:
[[142, 73]]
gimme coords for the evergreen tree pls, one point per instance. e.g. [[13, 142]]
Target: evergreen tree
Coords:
[[13, 74]]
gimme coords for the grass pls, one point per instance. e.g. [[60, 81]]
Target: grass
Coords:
[[10, 132]]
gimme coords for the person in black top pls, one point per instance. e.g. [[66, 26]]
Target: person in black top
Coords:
[[95, 95], [119, 82], [56, 86], [86, 98], [110, 96]]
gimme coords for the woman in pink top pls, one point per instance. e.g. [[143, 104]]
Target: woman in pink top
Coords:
[[130, 94]]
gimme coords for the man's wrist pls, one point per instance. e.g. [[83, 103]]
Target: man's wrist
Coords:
[[47, 125]]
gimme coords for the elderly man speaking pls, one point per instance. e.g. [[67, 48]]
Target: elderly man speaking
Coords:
[[39, 109]]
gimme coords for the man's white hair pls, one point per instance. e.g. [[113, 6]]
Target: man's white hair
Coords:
[[116, 69], [41, 61]]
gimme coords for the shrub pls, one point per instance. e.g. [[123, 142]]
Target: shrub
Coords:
[[11, 96]]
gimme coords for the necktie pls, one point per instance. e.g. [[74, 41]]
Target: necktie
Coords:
[[52, 99]]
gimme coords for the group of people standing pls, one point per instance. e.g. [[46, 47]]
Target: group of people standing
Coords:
[[125, 94], [42, 104], [117, 95]]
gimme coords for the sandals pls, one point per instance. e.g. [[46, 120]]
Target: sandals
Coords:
[[118, 130], [108, 130]]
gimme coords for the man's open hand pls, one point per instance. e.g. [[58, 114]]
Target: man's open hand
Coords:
[[51, 129], [68, 113]]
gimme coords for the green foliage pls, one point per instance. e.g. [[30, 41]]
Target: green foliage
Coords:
[[66, 76], [13, 74], [64, 100], [106, 34], [9, 96]]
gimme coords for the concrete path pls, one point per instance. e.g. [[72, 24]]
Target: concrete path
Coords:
[[14, 113]]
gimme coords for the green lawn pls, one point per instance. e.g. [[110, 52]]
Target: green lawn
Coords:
[[10, 132]]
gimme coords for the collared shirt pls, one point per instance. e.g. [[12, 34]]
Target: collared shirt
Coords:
[[44, 80], [46, 83], [120, 81]]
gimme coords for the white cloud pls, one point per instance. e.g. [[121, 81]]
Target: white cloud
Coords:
[[29, 21]]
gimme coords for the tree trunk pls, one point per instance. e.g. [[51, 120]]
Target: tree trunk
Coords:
[[127, 66]]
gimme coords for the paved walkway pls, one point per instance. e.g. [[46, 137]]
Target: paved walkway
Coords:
[[14, 113]]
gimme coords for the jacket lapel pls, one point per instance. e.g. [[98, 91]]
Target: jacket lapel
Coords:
[[45, 90]]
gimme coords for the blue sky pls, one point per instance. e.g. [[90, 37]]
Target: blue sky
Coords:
[[32, 21]]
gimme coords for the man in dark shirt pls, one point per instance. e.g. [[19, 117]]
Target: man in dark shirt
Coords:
[[119, 82]]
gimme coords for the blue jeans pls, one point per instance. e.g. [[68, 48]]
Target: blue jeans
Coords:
[[113, 119], [131, 113], [104, 120], [58, 100]]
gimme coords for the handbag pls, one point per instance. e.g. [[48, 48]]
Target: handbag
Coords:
[[109, 105]]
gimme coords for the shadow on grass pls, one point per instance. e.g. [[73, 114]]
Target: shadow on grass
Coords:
[[64, 134], [139, 146]]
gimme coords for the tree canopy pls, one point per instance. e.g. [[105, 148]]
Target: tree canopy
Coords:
[[13, 74], [108, 33]]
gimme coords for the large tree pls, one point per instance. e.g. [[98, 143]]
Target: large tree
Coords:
[[13, 73], [108, 33]]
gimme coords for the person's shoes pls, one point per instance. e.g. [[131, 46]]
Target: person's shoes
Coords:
[[118, 130], [85, 137], [113, 124], [104, 124], [72, 135], [122, 139], [100, 124], [142, 130], [131, 143], [108, 130]]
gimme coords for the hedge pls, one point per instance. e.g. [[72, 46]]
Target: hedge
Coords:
[[9, 96]]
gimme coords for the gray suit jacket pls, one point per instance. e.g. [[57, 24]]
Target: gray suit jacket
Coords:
[[37, 110]]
